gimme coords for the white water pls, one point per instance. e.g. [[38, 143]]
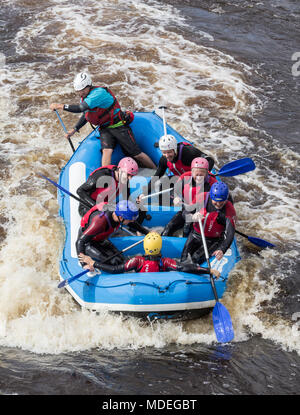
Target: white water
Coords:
[[141, 53]]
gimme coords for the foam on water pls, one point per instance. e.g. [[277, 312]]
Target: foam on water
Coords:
[[139, 50]]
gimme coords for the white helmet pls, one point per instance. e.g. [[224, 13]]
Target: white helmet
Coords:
[[82, 80], [167, 142]]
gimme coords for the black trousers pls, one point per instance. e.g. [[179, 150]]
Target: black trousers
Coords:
[[101, 250], [194, 247], [124, 136], [177, 222]]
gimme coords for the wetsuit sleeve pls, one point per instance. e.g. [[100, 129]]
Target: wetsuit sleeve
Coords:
[[96, 226], [192, 268], [170, 264], [228, 234], [81, 122], [160, 171], [191, 152], [111, 269], [90, 186], [86, 189], [77, 108], [132, 264]]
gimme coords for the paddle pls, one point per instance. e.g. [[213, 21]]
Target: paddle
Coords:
[[69, 280], [75, 277], [257, 241], [66, 131], [75, 197], [234, 168], [65, 191], [221, 317]]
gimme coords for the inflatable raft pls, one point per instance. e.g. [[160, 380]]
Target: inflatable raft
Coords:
[[152, 295]]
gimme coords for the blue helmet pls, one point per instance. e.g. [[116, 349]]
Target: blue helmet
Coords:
[[127, 210], [219, 192]]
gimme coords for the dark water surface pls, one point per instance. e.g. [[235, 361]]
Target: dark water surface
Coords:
[[247, 106], [254, 367]]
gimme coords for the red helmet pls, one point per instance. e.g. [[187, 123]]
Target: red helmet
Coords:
[[200, 163], [128, 165]]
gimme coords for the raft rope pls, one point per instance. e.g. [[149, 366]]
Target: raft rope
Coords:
[[153, 285]]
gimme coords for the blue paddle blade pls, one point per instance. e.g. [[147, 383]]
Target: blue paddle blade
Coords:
[[222, 323], [69, 280], [260, 242], [237, 167]]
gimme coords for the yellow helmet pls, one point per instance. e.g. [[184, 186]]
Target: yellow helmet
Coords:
[[152, 243]]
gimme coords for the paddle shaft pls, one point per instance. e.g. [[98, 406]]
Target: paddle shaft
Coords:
[[242, 234], [65, 129], [164, 120], [207, 259], [66, 191], [69, 280], [123, 250], [157, 193]]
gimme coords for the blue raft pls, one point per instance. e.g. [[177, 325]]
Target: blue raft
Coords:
[[156, 294]]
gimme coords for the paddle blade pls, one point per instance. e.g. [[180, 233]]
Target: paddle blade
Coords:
[[237, 167], [222, 323], [69, 280], [260, 242]]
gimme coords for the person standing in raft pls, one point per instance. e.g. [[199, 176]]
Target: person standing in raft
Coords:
[[186, 192], [96, 226], [218, 217], [101, 108], [177, 157], [152, 261]]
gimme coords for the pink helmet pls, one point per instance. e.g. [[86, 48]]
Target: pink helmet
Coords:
[[129, 165], [200, 163]]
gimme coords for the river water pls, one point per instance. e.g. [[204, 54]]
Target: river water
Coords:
[[226, 72]]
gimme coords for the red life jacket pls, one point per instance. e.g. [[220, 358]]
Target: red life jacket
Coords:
[[150, 266], [191, 193], [144, 264], [103, 235], [178, 168], [110, 190], [212, 229], [104, 116]]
